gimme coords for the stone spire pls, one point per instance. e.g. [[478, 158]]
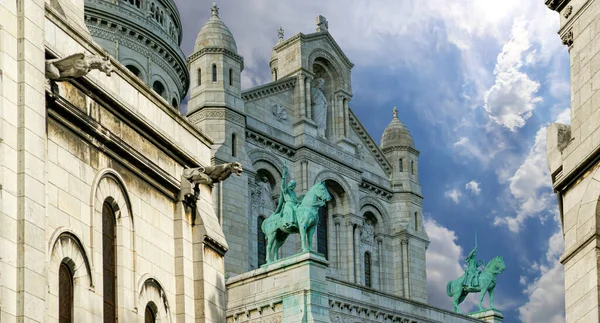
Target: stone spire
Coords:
[[396, 134], [280, 32], [214, 10]]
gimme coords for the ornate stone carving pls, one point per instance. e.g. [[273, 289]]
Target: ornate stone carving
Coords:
[[368, 233], [218, 114], [280, 112], [567, 39], [568, 11], [370, 144], [76, 65], [192, 177], [319, 106]]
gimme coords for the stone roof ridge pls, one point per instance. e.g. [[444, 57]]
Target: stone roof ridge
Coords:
[[369, 143], [270, 88], [316, 35]]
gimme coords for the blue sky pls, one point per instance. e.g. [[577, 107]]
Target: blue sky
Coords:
[[476, 82]]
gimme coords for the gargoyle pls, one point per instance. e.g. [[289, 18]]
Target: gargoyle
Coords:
[[76, 65], [192, 177]]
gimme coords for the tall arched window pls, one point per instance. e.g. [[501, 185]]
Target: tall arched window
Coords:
[[368, 269], [214, 73], [136, 71], [65, 296], [233, 145], [231, 76], [199, 76], [174, 103], [416, 221], [109, 264], [322, 232], [158, 87], [400, 167], [412, 167], [149, 315], [262, 245]]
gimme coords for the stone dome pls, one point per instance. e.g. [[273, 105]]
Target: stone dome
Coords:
[[215, 34], [396, 134]]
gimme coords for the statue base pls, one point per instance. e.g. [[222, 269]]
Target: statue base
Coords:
[[292, 289], [490, 316]]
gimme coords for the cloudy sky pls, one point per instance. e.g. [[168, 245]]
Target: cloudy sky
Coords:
[[476, 82]]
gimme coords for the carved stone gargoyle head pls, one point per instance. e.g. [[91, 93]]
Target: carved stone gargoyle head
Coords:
[[76, 65], [192, 177]]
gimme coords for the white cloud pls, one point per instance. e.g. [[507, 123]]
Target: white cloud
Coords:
[[454, 194], [511, 100], [444, 263], [473, 186], [546, 294]]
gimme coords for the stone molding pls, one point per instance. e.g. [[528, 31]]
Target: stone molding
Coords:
[[556, 5], [329, 149], [67, 233], [401, 148], [268, 143], [343, 72], [567, 39], [326, 35], [222, 113], [336, 177], [369, 143], [151, 290], [308, 154], [256, 155], [269, 89], [216, 50], [375, 190]]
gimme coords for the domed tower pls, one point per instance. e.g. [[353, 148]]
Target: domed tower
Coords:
[[143, 35], [406, 211], [216, 107]]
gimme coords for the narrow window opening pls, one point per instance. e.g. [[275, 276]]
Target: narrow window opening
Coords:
[[109, 263], [262, 245], [416, 221], [368, 269], [174, 103], [149, 315], [199, 77], [230, 76], [214, 73], [412, 167], [322, 232], [401, 167], [233, 145], [158, 87], [65, 290]]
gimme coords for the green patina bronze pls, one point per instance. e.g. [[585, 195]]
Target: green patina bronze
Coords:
[[475, 280], [294, 215]]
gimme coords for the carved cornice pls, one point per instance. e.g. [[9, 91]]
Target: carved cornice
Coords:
[[266, 142], [401, 148], [216, 50], [329, 149], [305, 153], [217, 114], [376, 190], [557, 5], [567, 38], [325, 34], [215, 245], [268, 89], [369, 142]]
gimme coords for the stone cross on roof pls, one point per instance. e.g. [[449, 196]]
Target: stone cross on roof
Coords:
[[214, 10], [395, 113], [322, 24], [280, 32]]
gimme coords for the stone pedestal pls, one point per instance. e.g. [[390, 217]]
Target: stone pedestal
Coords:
[[293, 289], [491, 316]]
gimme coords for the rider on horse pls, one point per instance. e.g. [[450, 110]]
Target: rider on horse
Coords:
[[288, 201], [472, 269]]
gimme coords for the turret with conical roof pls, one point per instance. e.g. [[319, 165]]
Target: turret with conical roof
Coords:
[[399, 148]]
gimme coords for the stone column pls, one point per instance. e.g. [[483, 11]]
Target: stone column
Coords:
[[350, 250], [380, 263], [358, 255], [308, 101], [184, 280], [346, 117], [405, 267], [302, 95]]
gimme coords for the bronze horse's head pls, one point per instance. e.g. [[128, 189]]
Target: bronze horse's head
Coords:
[[323, 193]]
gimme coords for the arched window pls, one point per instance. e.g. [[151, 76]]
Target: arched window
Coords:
[[368, 269], [199, 77], [109, 265], [158, 87], [149, 315], [322, 232], [262, 244], [136, 71], [214, 73], [233, 145], [401, 167], [412, 167], [65, 296], [230, 76], [174, 103]]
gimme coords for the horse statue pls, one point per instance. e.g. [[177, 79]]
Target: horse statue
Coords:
[[303, 220], [484, 282]]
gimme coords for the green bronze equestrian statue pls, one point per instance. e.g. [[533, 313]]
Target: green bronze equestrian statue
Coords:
[[475, 280], [294, 215]]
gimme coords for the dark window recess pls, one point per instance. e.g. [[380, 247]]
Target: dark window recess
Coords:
[[199, 77], [262, 243], [65, 294], [109, 263], [322, 232], [233, 145], [401, 167], [158, 88], [214, 73], [230, 76], [149, 316], [367, 269]]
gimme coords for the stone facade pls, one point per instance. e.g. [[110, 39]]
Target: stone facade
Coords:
[[573, 152]]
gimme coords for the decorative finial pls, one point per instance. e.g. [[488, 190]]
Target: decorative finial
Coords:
[[395, 113], [214, 10], [280, 32], [322, 24]]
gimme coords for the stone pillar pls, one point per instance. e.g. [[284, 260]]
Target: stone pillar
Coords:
[[338, 261], [489, 316], [308, 101], [184, 280], [357, 256], [380, 282], [350, 250], [346, 117], [302, 94], [405, 267]]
